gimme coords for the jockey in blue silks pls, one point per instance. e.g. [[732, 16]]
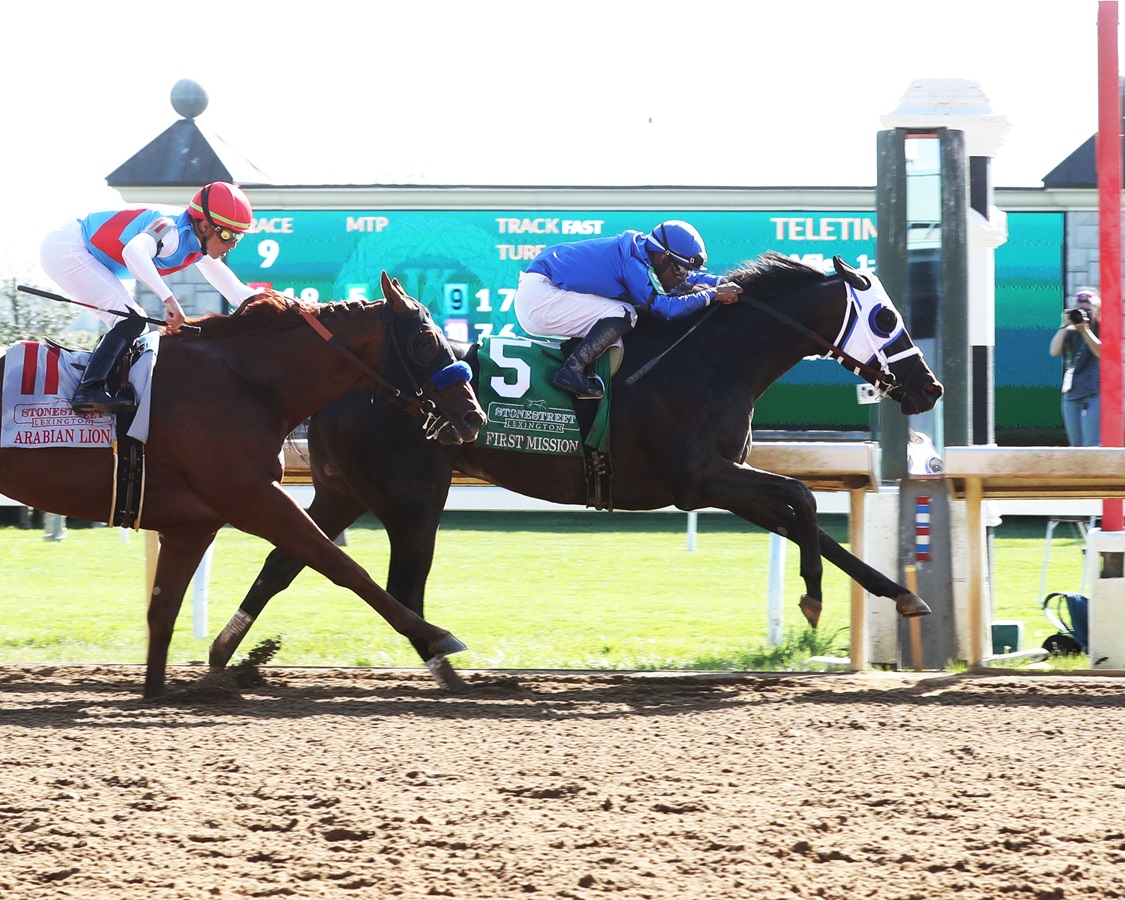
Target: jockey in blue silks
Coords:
[[593, 290]]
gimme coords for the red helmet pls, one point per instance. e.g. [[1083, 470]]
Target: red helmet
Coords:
[[223, 205]]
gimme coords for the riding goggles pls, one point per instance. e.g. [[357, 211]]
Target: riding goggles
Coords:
[[680, 269], [227, 235]]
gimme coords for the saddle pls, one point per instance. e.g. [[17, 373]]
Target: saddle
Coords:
[[44, 375], [527, 413], [117, 383]]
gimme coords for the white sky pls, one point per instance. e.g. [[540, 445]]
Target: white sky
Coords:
[[521, 91]]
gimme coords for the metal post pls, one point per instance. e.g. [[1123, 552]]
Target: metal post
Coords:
[[856, 525], [199, 591], [774, 613], [889, 426], [953, 310], [1109, 243]]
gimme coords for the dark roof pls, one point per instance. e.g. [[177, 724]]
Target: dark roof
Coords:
[[179, 156], [184, 156], [1080, 169]]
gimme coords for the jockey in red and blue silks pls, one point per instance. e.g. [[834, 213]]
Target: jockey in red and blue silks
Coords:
[[107, 235], [89, 256], [593, 290]]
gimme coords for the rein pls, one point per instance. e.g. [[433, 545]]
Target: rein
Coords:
[[876, 376], [423, 406], [652, 362]]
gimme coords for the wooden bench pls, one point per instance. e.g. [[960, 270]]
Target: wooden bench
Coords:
[[977, 473], [822, 465]]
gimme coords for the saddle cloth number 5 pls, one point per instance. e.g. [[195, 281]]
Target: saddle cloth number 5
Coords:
[[500, 384]]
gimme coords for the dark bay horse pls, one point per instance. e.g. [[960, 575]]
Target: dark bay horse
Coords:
[[223, 403], [680, 435]]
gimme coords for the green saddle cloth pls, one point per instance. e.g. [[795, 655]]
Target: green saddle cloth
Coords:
[[528, 414]]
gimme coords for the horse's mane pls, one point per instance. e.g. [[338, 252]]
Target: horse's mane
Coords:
[[772, 272], [268, 311]]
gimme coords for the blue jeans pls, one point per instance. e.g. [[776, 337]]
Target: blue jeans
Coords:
[[1083, 421]]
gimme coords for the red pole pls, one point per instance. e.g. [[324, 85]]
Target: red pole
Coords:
[[1109, 242]]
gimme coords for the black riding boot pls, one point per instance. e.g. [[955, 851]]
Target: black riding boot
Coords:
[[572, 376], [92, 396]]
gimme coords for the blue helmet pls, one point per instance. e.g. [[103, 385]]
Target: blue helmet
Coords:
[[680, 241]]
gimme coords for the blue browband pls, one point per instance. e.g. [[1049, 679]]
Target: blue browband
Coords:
[[456, 373]]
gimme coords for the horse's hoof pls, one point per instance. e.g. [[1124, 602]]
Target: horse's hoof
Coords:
[[910, 605], [444, 674], [446, 645], [811, 607]]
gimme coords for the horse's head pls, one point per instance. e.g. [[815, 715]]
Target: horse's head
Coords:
[[874, 334], [433, 369]]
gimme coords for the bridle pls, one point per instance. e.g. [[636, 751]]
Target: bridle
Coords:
[[415, 402], [881, 378]]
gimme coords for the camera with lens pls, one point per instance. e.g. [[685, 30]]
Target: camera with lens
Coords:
[[1078, 316]]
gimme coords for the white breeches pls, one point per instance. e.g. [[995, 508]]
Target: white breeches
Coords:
[[65, 257], [546, 310]]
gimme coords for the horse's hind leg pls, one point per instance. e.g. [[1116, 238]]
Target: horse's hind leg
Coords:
[[332, 513], [176, 562]]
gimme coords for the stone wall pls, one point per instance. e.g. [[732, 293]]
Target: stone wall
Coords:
[[1083, 259]]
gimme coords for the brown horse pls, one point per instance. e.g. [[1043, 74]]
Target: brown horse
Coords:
[[223, 403]]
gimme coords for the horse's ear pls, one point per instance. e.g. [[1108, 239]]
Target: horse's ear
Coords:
[[393, 293], [850, 275]]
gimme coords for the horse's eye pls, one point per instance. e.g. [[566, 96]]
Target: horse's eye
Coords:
[[425, 346], [886, 320]]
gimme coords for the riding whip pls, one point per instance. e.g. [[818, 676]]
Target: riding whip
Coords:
[[113, 312], [652, 362]]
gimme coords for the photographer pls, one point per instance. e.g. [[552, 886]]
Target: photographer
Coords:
[[1077, 343]]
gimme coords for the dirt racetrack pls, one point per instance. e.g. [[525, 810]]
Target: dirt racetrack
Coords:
[[374, 783]]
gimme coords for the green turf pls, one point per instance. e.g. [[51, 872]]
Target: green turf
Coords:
[[550, 590]]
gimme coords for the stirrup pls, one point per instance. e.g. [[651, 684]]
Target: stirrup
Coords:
[[98, 401], [583, 387]]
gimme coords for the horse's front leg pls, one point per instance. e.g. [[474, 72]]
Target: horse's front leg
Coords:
[[176, 562], [782, 505], [332, 513], [266, 510], [907, 603], [412, 533]]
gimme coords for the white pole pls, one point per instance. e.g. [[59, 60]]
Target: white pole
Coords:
[[692, 527], [199, 594], [776, 590]]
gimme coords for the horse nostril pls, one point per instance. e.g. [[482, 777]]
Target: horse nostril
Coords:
[[476, 419]]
